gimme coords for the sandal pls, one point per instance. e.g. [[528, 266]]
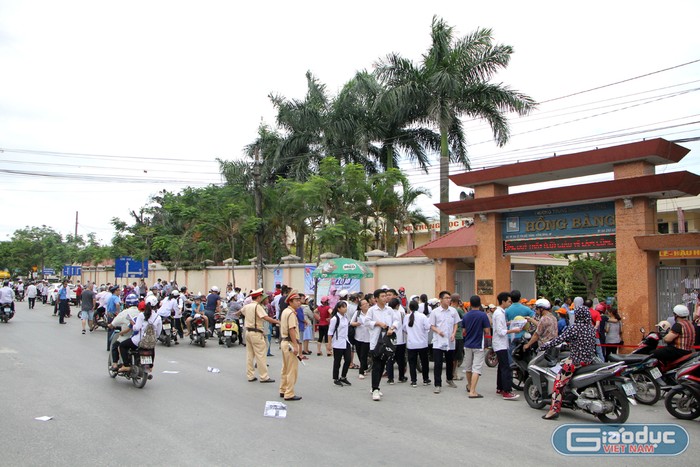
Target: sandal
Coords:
[[354, 367], [124, 369]]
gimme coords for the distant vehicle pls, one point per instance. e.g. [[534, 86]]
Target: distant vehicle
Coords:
[[53, 293]]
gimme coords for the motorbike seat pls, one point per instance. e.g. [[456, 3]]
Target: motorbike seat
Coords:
[[679, 361], [590, 368], [628, 358]]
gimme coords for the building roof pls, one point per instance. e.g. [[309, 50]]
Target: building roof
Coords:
[[656, 152], [456, 244]]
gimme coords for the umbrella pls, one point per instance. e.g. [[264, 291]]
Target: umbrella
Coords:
[[343, 268]]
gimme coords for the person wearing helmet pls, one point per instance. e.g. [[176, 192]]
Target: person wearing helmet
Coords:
[[87, 307], [170, 308], [547, 327], [121, 324], [212, 304], [142, 320], [112, 308], [679, 339]]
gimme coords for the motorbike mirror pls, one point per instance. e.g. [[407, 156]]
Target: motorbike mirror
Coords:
[[642, 330]]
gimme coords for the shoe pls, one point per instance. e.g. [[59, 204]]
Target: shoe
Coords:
[[498, 391], [391, 381], [413, 384], [458, 378], [451, 384], [403, 380], [361, 376], [375, 395], [338, 383], [318, 354], [329, 354], [251, 380], [509, 396], [270, 355], [478, 396], [437, 390], [304, 357], [83, 331], [427, 382], [295, 398], [268, 380], [345, 381], [177, 342], [553, 417]]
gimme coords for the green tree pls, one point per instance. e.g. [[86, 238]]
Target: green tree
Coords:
[[452, 81]]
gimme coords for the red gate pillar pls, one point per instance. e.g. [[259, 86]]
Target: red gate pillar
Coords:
[[636, 269], [491, 266]]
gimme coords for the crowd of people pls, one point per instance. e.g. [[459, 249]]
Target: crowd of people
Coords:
[[382, 334]]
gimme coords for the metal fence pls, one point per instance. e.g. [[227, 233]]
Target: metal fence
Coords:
[[675, 284]]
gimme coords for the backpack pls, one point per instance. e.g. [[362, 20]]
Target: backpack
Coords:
[[148, 338], [352, 329], [385, 348]]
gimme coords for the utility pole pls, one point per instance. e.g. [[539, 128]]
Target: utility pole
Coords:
[[258, 214], [76, 224]]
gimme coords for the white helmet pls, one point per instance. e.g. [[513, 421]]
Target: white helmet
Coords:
[[664, 325], [343, 293], [152, 300], [681, 310], [214, 289], [175, 293], [543, 303]]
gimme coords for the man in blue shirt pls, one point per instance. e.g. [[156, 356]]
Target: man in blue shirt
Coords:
[[516, 309], [112, 309], [475, 324], [63, 302]]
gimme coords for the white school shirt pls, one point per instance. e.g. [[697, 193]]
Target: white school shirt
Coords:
[[361, 332], [399, 316], [373, 315], [416, 335], [444, 320], [340, 338]]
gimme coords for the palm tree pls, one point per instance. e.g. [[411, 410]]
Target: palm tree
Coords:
[[452, 81]]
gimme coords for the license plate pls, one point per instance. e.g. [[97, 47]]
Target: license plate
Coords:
[[200, 329], [655, 373], [7, 310], [146, 360], [166, 327], [556, 368], [629, 389], [217, 326], [227, 333]]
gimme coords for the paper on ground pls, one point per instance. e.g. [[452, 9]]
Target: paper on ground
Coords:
[[171, 372], [275, 409], [44, 418]]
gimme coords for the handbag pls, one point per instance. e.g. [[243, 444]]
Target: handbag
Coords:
[[385, 348], [352, 329]]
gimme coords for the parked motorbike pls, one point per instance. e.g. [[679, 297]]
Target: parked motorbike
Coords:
[[490, 356], [597, 389], [229, 333], [141, 364], [198, 335], [6, 312], [218, 322], [683, 400]]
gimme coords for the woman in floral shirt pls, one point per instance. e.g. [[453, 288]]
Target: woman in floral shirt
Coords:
[[581, 338]]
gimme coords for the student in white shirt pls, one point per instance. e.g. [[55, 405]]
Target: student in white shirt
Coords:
[[443, 322], [400, 356], [379, 319], [417, 326], [338, 331], [361, 336]]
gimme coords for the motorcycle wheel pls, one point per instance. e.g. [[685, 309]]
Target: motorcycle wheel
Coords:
[[648, 390], [682, 405], [491, 359], [112, 373], [167, 341], [139, 380], [202, 341], [533, 395], [228, 342], [622, 408], [518, 380]]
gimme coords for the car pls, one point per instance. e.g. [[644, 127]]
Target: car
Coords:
[[53, 293]]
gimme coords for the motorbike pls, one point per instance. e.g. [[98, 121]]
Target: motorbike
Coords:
[[100, 318], [490, 356], [166, 334], [598, 388], [229, 333], [198, 335], [683, 400], [6, 312], [218, 322], [141, 365], [19, 295]]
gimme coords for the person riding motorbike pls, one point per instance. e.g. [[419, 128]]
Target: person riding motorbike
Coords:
[[7, 296], [197, 311], [546, 326], [147, 316], [679, 339], [122, 321], [581, 338]]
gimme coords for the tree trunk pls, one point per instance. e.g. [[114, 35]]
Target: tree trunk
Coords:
[[444, 181], [233, 260], [300, 243]]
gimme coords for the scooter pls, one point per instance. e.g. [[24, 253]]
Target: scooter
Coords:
[[683, 400], [218, 322], [166, 334], [141, 364], [198, 335], [100, 319], [229, 333], [6, 312], [598, 388]]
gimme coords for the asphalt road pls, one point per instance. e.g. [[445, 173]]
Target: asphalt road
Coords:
[[195, 417]]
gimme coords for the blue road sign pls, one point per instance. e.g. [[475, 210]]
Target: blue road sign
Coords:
[[126, 266], [72, 271], [48, 271]]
